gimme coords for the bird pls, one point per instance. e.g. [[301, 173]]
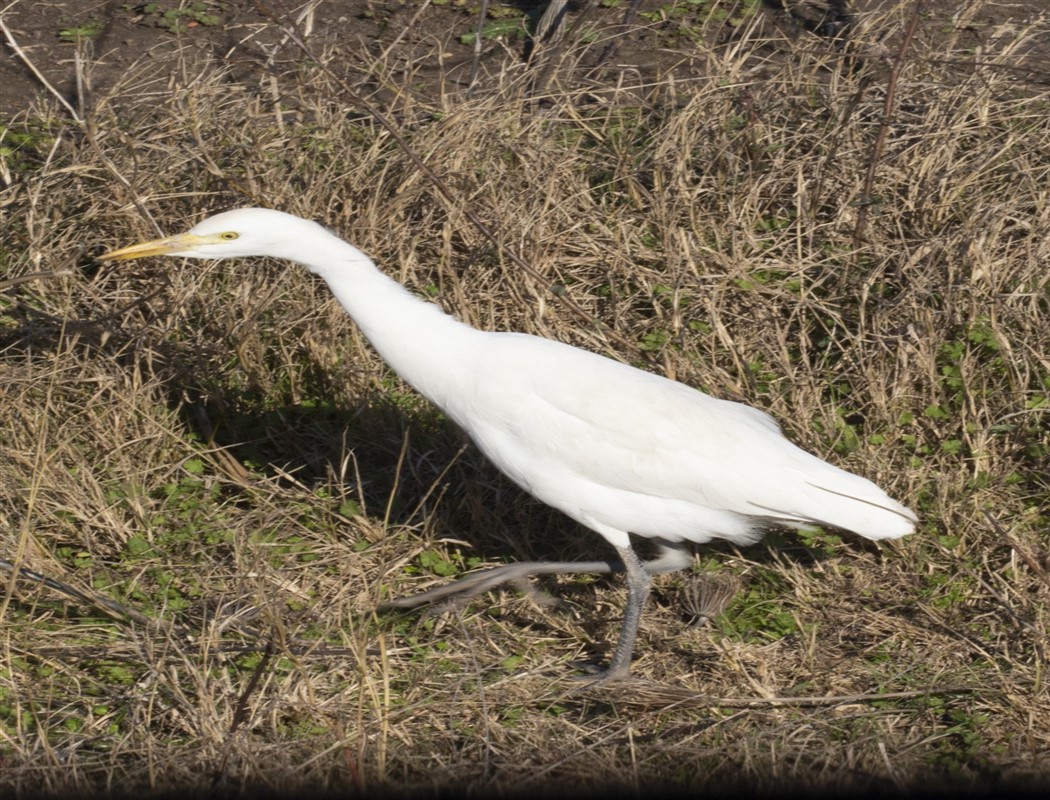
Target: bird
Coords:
[[622, 451]]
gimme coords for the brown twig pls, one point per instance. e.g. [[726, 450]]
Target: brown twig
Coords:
[[551, 43], [38, 74], [614, 45], [866, 199], [8, 283], [240, 711], [110, 608], [1027, 557], [644, 693], [475, 61]]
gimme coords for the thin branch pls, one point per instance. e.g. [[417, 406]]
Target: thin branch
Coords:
[[8, 283], [39, 76], [643, 693], [475, 62], [109, 607], [240, 711], [610, 49], [1027, 557], [884, 126]]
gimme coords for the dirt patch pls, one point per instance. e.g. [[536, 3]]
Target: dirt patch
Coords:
[[434, 43]]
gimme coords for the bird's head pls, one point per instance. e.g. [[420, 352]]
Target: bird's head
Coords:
[[232, 234]]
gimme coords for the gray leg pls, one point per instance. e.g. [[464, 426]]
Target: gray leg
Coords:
[[638, 582], [672, 557], [639, 577]]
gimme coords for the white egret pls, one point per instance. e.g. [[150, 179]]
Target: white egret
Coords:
[[617, 449]]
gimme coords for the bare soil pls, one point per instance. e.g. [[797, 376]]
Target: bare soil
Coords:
[[242, 35]]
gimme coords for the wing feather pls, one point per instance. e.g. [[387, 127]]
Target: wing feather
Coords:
[[601, 423]]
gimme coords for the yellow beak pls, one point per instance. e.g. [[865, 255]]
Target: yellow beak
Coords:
[[181, 243]]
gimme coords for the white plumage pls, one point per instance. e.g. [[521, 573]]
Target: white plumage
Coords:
[[618, 449]]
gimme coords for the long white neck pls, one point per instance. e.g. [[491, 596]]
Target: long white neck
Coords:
[[424, 345]]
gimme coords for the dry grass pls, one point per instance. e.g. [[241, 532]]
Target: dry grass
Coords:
[[217, 448]]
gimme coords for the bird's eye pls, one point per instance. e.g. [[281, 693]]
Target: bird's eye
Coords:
[[229, 236]]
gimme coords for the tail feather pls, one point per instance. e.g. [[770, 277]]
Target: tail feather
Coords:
[[874, 514], [827, 495]]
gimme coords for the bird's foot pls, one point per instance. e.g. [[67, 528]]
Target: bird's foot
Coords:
[[597, 677]]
